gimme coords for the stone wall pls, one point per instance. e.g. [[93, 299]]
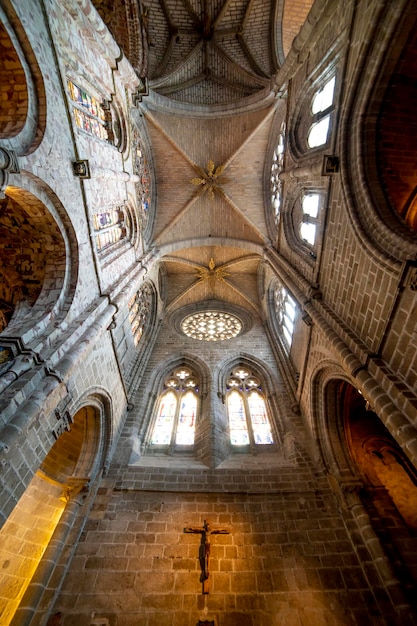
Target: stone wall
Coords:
[[288, 557]]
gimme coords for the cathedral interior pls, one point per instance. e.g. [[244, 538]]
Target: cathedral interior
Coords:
[[208, 313]]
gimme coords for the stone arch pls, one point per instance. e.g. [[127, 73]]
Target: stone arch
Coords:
[[38, 259], [302, 118], [13, 88], [378, 125], [132, 223], [44, 510], [328, 401], [156, 384], [359, 453], [396, 133], [23, 101]]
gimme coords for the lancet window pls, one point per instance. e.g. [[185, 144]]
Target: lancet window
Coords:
[[139, 311], [88, 113], [285, 311], [176, 411], [321, 110], [249, 424], [109, 227]]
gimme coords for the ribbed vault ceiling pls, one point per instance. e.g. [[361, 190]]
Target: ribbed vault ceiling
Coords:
[[210, 51], [210, 163]]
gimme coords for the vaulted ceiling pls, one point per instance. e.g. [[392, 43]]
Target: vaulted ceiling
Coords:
[[210, 51], [209, 117]]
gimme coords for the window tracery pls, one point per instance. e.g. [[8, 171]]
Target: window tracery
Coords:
[[276, 169], [139, 311], [211, 326], [142, 170], [247, 411], [177, 410], [285, 311]]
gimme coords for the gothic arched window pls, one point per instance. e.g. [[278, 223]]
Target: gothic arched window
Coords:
[[276, 169], [321, 110], [247, 411], [285, 311], [176, 410]]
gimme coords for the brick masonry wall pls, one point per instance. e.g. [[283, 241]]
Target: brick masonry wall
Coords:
[[287, 559], [13, 90]]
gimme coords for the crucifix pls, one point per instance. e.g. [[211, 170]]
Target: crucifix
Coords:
[[204, 551]]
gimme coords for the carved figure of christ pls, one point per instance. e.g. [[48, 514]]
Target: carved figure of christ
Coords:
[[204, 551]]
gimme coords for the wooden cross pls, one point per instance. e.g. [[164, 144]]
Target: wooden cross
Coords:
[[204, 551]]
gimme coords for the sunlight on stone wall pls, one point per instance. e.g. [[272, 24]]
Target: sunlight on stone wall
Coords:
[[23, 540]]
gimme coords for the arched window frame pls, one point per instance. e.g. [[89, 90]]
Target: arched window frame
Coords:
[[322, 107], [181, 382], [253, 432], [285, 307]]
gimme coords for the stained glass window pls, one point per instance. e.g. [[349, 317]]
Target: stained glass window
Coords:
[[239, 435], [321, 107], [211, 326], [109, 227], [285, 310], [87, 111], [142, 170], [165, 419], [247, 412], [186, 419], [177, 410]]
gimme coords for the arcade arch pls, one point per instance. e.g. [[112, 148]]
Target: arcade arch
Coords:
[[67, 470], [33, 259], [360, 450]]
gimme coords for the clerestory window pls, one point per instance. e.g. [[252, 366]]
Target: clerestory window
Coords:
[[321, 109], [276, 168], [176, 411], [285, 311], [88, 113], [310, 218], [109, 227], [139, 311], [249, 424]]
